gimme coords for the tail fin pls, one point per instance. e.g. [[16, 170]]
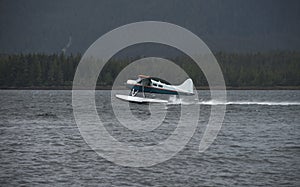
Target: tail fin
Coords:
[[187, 86]]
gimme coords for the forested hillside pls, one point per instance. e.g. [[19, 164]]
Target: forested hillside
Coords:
[[280, 68]]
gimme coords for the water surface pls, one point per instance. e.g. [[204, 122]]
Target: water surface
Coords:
[[258, 144]]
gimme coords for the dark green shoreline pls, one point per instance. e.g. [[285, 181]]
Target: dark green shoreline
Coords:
[[109, 88]]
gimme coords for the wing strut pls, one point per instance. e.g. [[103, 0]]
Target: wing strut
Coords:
[[143, 91]]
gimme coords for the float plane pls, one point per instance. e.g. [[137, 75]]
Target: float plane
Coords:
[[154, 85]]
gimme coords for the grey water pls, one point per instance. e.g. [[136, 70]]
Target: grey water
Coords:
[[258, 144]]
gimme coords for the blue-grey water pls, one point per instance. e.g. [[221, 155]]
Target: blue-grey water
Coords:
[[258, 144]]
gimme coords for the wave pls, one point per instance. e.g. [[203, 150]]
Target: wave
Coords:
[[46, 114]]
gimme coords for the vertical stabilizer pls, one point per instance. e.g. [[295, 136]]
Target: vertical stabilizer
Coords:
[[186, 86]]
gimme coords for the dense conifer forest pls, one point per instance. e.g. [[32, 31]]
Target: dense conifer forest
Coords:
[[269, 69]]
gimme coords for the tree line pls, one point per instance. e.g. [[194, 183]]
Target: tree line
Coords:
[[277, 68]]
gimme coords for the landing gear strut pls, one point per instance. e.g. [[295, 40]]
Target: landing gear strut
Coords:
[[133, 92]]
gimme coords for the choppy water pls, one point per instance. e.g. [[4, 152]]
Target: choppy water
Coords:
[[258, 144]]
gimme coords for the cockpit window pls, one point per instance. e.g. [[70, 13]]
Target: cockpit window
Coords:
[[139, 80]]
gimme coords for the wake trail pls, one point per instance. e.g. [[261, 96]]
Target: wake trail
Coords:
[[268, 103], [214, 102]]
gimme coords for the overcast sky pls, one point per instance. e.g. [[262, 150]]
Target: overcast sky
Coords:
[[232, 25]]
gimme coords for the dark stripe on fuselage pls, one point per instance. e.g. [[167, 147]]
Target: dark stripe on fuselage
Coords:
[[152, 89]]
